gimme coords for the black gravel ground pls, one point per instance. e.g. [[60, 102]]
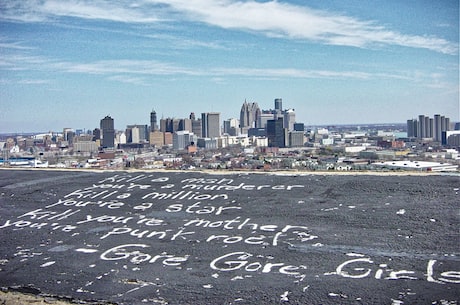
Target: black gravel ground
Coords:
[[196, 238]]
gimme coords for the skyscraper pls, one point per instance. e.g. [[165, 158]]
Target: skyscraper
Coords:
[[153, 121], [231, 126], [437, 127], [289, 119], [196, 125], [210, 125], [421, 128], [279, 104], [137, 133], [426, 127], [108, 132], [278, 112], [276, 134], [169, 125], [412, 128], [182, 139], [249, 115]]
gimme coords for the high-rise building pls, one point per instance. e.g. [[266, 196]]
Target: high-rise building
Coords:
[[437, 128], [182, 139], [279, 104], [185, 124], [445, 124], [249, 115], [210, 125], [108, 132], [231, 127], [173, 125], [412, 128], [196, 127], [204, 125], [169, 125], [289, 119], [156, 138], [137, 133], [426, 127], [276, 133], [288, 116], [96, 134], [133, 135], [264, 117], [278, 112], [153, 121], [296, 138], [299, 127], [68, 135]]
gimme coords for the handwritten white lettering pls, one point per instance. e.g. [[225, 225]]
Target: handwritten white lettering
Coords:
[[123, 252]]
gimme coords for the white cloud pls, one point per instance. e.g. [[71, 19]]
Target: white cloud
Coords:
[[129, 80], [44, 10], [137, 67], [136, 71], [107, 10], [290, 73], [271, 18], [13, 45], [278, 19]]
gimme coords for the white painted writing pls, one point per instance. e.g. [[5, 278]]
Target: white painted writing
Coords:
[[125, 252], [241, 261]]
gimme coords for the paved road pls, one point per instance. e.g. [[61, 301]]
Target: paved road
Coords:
[[193, 238]]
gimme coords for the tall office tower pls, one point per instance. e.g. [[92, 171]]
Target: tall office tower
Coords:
[[421, 127], [169, 125], [276, 134], [296, 138], [264, 117], [278, 112], [153, 121], [163, 125], [156, 138], [133, 134], [196, 127], [182, 139], [175, 125], [412, 128], [279, 104], [445, 124], [428, 127], [249, 115], [210, 125], [231, 126], [141, 133], [204, 125], [185, 124], [289, 119], [68, 135], [108, 132], [96, 134], [437, 128], [226, 126]]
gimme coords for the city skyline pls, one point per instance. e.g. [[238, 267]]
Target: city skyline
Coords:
[[334, 63]]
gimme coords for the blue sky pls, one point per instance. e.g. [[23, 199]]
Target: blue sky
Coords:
[[71, 63]]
